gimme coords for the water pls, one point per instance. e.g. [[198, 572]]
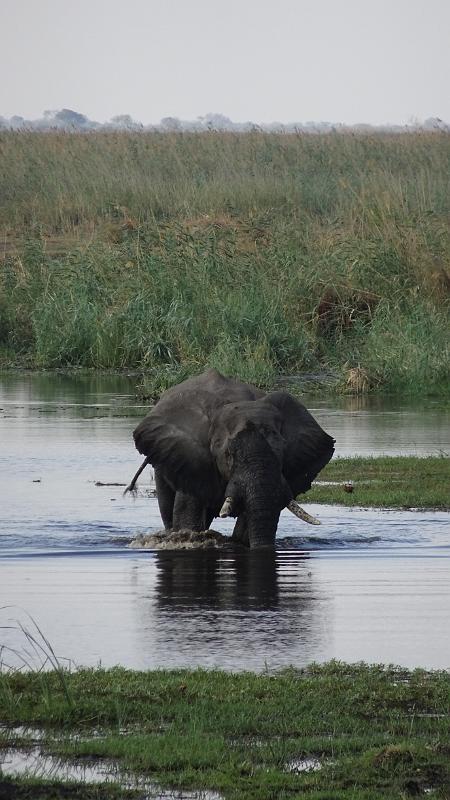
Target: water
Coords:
[[385, 426], [371, 585], [33, 762]]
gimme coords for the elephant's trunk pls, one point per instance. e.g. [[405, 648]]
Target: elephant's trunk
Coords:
[[256, 492], [262, 523]]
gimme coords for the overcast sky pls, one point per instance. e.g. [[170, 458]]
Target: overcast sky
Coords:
[[349, 61]]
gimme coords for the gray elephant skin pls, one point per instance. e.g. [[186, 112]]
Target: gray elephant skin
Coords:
[[220, 447]]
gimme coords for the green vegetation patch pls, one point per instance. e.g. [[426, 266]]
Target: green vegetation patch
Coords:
[[259, 254], [35, 789], [332, 731], [388, 481]]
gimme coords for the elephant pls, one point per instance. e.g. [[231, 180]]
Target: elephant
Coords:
[[221, 447]]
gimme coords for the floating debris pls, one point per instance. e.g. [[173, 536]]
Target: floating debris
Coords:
[[100, 483]]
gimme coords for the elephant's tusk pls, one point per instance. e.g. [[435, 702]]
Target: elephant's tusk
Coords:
[[226, 509], [301, 513]]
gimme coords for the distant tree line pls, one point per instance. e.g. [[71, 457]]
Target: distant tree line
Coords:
[[68, 120]]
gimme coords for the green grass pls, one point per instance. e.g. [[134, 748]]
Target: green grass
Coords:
[[35, 789], [386, 482], [260, 254], [378, 732]]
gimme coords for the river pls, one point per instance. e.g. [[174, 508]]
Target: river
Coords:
[[369, 585]]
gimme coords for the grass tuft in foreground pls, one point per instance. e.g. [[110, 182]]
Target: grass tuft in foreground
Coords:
[[372, 731]]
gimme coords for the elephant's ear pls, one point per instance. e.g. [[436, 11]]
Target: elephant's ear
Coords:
[[183, 456], [307, 447]]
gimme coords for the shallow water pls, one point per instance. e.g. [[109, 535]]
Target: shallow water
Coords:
[[33, 762], [370, 585], [232, 611], [36, 763]]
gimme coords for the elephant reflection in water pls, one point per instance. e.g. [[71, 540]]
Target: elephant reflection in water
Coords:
[[208, 579], [232, 609]]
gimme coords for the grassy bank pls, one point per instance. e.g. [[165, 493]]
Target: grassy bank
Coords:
[[259, 254], [366, 732], [385, 482]]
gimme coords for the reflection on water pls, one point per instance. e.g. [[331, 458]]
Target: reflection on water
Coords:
[[63, 390], [244, 581], [236, 611], [32, 762], [385, 425], [232, 610]]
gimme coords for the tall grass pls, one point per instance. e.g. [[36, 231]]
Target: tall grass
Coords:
[[64, 179], [260, 254]]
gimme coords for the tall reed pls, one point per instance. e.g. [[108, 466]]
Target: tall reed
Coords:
[[257, 253]]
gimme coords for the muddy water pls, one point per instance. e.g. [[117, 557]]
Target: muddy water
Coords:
[[366, 585]]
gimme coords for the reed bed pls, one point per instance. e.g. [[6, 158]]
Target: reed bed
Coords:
[[260, 254]]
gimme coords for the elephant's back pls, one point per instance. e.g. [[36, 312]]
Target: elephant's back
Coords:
[[181, 418], [205, 393]]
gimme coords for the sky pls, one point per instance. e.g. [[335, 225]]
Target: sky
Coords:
[[350, 61]]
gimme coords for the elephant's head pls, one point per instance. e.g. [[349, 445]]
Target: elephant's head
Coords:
[[248, 447], [221, 447]]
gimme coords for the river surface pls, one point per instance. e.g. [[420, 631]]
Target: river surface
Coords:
[[367, 585]]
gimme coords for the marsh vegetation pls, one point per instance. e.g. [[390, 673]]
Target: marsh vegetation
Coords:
[[386, 482], [260, 254], [332, 731]]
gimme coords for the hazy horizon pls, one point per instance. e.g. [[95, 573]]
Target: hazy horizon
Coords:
[[344, 62], [72, 120]]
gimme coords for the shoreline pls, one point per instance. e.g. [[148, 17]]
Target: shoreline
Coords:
[[303, 385]]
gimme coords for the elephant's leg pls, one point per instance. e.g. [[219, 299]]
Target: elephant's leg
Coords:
[[240, 531], [208, 518], [188, 512], [166, 500]]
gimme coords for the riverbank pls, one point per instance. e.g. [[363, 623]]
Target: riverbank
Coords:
[[337, 730], [384, 482], [258, 254]]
